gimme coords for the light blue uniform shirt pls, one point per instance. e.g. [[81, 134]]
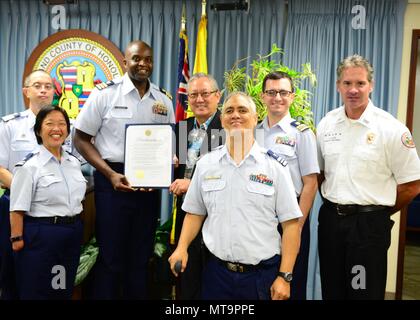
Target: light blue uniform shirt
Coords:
[[244, 204], [45, 187], [107, 112], [297, 147], [17, 138]]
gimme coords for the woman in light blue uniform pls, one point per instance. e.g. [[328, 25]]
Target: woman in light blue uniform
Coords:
[[45, 203]]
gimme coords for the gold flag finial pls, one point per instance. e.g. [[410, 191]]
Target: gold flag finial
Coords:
[[183, 18], [203, 7]]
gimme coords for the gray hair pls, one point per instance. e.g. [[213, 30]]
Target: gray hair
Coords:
[[248, 98], [199, 75], [355, 61]]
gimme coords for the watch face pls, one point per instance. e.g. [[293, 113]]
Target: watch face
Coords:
[[288, 276]]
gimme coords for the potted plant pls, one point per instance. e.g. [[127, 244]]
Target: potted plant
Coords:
[[236, 79]]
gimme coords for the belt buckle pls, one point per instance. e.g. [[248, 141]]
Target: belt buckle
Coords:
[[55, 220], [339, 212], [234, 267]]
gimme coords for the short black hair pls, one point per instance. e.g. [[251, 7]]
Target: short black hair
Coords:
[[277, 75], [42, 114]]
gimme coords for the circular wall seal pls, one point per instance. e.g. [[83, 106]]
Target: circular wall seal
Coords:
[[77, 60]]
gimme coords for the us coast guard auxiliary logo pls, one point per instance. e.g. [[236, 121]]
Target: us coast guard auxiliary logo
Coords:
[[77, 60]]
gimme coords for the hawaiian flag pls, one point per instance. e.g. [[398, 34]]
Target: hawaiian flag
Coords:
[[183, 77]]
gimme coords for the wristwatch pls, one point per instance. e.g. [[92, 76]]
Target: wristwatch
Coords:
[[287, 276], [17, 238]]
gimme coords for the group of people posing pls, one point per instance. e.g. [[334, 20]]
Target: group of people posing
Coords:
[[243, 199]]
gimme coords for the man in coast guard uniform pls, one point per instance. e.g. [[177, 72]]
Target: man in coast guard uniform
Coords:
[[125, 218], [17, 139], [242, 192], [370, 169], [297, 144], [195, 137]]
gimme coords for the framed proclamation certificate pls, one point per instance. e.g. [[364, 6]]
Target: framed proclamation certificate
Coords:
[[148, 155]]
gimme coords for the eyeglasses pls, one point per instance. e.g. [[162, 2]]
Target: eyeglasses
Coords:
[[38, 86], [204, 94], [273, 93]]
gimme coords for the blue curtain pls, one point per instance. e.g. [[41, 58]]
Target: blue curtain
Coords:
[[232, 35], [321, 32]]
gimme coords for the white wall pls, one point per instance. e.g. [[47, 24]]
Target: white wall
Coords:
[[411, 21]]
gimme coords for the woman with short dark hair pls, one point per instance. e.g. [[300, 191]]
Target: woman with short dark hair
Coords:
[[45, 203]]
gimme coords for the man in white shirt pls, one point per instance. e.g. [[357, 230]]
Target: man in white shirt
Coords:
[[369, 170]]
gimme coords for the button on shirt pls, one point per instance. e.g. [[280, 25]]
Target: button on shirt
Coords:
[[44, 187], [364, 160], [244, 204], [17, 139], [297, 147], [107, 112]]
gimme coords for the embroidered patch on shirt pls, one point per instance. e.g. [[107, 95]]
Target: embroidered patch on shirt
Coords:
[[370, 137], [160, 108], [261, 178], [286, 140], [407, 140]]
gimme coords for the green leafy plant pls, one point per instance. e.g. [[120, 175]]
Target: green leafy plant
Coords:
[[237, 79]]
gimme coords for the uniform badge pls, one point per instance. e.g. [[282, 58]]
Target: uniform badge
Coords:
[[212, 177], [407, 140], [370, 137], [261, 178], [160, 108], [285, 140]]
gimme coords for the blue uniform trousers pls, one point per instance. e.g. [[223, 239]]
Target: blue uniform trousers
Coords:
[[300, 270], [49, 250], [125, 230], [7, 269], [219, 283]]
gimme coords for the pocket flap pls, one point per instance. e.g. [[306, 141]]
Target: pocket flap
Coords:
[[260, 188], [49, 179], [213, 185]]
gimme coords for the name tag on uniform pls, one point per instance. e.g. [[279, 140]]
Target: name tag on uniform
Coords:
[[261, 178], [332, 137], [160, 108], [285, 140], [212, 177], [121, 107]]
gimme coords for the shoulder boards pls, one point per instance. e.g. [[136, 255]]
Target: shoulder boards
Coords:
[[71, 154], [300, 126], [22, 162], [277, 157], [11, 117], [166, 92], [104, 85]]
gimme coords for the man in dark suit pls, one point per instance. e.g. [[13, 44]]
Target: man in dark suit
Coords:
[[195, 137]]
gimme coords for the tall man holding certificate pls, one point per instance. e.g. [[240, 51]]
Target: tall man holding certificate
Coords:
[[125, 219]]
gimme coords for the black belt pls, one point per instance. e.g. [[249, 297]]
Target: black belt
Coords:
[[349, 209], [116, 166], [54, 220], [236, 266]]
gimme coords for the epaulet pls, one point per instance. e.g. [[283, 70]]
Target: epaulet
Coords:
[[71, 154], [103, 85], [11, 116], [277, 157], [165, 92], [22, 162], [217, 148], [300, 126]]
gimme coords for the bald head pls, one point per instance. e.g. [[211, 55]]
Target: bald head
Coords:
[[138, 61]]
